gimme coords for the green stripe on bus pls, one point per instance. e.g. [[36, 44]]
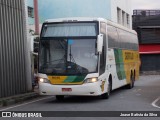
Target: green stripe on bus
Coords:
[[119, 64], [74, 79]]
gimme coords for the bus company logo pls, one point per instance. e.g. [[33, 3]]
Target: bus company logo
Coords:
[[6, 114]]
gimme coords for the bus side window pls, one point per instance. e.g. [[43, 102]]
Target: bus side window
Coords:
[[113, 41]]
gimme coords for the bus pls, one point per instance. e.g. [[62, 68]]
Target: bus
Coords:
[[86, 57]]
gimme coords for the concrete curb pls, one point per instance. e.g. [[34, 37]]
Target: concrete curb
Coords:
[[17, 99]]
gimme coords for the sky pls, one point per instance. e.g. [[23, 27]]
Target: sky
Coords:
[[145, 4]]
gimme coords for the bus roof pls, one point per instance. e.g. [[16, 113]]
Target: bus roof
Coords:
[[81, 19], [74, 19]]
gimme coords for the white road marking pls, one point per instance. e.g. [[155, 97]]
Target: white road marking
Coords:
[[154, 103], [26, 103]]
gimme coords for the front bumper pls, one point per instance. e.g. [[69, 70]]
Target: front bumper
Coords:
[[87, 89]]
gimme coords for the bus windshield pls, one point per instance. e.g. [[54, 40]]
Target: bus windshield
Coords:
[[68, 56]]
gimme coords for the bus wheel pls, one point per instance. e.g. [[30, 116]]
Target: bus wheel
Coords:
[[132, 80], [60, 97], [107, 94]]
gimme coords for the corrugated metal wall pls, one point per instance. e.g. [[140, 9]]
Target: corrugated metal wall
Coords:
[[12, 48]]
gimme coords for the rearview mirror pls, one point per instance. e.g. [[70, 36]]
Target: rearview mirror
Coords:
[[100, 43]]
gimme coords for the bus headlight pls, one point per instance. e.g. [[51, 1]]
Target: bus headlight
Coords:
[[44, 80], [91, 80]]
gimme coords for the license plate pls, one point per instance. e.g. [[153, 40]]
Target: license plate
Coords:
[[66, 89]]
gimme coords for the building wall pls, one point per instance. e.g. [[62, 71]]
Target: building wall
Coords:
[[30, 4], [124, 5], [77, 8], [12, 48], [50, 9], [146, 23]]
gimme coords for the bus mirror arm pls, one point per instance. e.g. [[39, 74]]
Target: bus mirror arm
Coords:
[[100, 43]]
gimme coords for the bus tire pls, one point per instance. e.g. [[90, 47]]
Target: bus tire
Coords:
[[132, 80], [60, 97], [107, 94]]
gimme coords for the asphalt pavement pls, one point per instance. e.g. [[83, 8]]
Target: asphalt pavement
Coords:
[[145, 96]]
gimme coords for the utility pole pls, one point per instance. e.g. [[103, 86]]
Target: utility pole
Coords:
[[36, 17]]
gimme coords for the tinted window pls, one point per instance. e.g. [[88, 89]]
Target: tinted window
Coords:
[[112, 37], [69, 30], [118, 38]]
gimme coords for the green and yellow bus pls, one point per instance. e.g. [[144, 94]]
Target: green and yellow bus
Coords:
[[86, 57]]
